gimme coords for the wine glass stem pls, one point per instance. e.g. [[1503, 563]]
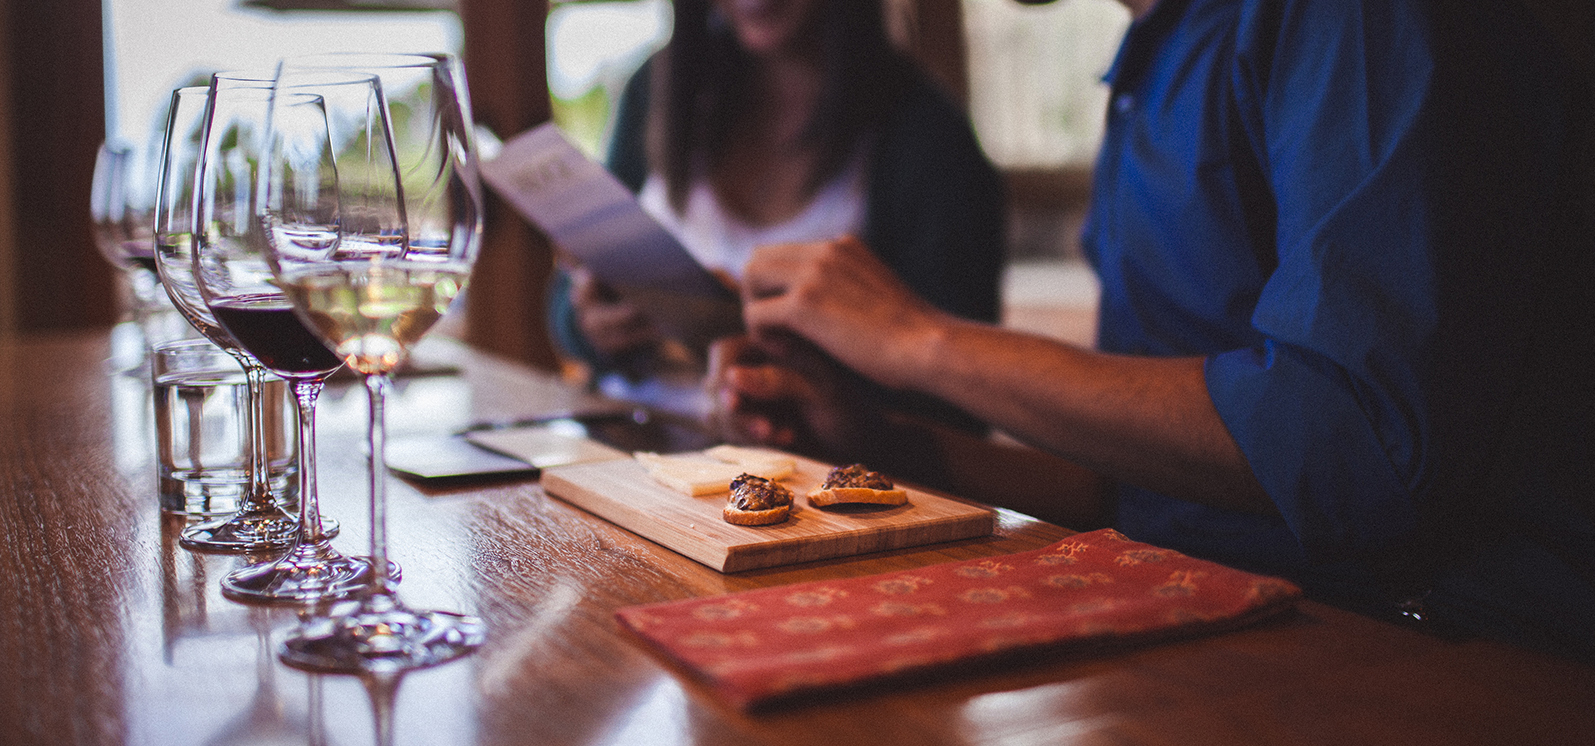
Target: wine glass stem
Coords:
[[383, 689], [259, 475], [306, 391], [318, 720], [377, 390], [257, 496]]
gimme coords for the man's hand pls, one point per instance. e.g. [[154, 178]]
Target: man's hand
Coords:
[[1146, 421], [840, 296]]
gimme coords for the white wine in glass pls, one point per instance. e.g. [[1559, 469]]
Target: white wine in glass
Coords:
[[370, 295], [373, 312]]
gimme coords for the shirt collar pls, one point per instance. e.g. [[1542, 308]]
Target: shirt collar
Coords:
[[1141, 41]]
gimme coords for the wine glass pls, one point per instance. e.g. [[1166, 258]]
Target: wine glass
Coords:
[[122, 207], [432, 136], [122, 218], [235, 282], [370, 294], [260, 525]]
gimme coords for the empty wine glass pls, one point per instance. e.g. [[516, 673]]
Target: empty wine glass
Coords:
[[260, 525], [235, 282], [123, 216], [370, 295], [122, 207]]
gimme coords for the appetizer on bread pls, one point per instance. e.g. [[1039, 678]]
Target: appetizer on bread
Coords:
[[756, 501], [854, 484]]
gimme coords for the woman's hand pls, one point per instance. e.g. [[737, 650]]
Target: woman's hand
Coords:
[[612, 326]]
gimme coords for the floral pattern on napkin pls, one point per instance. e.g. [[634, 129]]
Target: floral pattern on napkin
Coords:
[[1089, 589]]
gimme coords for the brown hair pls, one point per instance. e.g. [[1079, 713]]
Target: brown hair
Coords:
[[701, 78]]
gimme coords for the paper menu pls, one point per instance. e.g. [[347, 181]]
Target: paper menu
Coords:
[[594, 218]]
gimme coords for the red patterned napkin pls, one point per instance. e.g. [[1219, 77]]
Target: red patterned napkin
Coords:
[[1089, 589]]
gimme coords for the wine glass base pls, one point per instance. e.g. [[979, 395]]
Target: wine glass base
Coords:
[[242, 533], [311, 572], [381, 636]]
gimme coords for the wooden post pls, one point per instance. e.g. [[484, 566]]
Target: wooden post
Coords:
[[507, 70]]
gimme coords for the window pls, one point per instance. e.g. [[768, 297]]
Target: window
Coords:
[[1037, 99], [593, 48], [154, 46], [1035, 78]]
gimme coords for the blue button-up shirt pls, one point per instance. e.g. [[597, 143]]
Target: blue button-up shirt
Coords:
[[1351, 208]]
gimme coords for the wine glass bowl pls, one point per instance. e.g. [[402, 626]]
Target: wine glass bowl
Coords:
[[378, 310], [174, 217], [433, 136], [121, 206], [122, 218]]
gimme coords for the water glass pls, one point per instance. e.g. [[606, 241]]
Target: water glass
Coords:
[[201, 434]]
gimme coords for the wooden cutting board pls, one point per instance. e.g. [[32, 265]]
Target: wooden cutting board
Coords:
[[621, 491]]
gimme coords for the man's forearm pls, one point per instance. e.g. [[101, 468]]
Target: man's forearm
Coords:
[[1145, 421]]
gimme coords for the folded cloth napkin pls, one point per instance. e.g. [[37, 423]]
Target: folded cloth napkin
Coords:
[[1090, 589]]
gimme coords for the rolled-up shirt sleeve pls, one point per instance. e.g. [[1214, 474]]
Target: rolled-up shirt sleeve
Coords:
[[1329, 409], [1380, 339]]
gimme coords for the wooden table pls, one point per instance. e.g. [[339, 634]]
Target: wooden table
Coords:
[[110, 634]]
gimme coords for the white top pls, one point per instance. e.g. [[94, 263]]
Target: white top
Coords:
[[719, 240]]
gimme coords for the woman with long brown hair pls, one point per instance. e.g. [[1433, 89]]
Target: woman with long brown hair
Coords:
[[778, 121]]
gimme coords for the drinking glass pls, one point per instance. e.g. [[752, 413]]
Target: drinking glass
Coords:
[[235, 281], [352, 271], [123, 216], [122, 207], [432, 139], [260, 525]]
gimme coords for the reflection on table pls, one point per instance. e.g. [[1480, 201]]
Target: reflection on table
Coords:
[[126, 638]]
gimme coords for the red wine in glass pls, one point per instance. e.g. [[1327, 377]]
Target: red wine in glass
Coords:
[[268, 327]]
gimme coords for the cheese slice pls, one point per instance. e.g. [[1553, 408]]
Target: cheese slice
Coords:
[[693, 474], [772, 465]]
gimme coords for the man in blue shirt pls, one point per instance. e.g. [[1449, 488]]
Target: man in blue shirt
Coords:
[[1345, 332]]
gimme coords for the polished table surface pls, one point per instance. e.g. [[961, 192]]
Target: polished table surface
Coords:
[[110, 634]]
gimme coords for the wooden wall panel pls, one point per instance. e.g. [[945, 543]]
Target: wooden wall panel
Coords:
[[52, 277], [8, 280], [504, 54]]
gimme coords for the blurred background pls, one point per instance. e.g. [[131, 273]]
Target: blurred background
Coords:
[[76, 72]]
